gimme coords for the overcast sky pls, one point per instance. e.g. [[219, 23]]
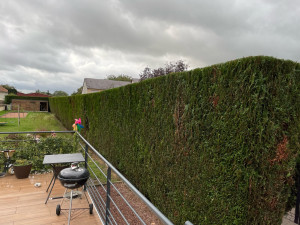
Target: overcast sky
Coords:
[[54, 44]]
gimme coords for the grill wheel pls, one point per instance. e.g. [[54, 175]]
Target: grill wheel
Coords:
[[91, 208], [58, 210]]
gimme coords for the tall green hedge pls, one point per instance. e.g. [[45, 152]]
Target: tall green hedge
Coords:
[[216, 145]]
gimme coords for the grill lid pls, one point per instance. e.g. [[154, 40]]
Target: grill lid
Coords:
[[74, 173]]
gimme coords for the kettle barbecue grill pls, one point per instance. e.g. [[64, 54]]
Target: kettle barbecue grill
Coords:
[[73, 178]]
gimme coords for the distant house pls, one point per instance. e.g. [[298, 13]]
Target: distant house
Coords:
[[3, 93], [30, 102], [91, 85], [33, 95]]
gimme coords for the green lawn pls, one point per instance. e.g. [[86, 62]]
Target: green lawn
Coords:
[[35, 121], [100, 175], [2, 112]]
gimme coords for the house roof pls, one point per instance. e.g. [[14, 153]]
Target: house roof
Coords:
[[2, 89], [32, 94], [103, 84]]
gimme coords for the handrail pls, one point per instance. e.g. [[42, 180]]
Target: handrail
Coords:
[[161, 216], [37, 132], [156, 211]]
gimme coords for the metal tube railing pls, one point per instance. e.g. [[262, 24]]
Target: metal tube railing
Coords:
[[104, 210], [98, 197], [109, 197], [92, 196], [161, 216], [37, 132]]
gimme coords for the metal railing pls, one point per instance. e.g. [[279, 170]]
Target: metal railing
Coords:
[[104, 207], [103, 191]]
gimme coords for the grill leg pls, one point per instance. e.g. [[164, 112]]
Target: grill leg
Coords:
[[62, 200], [69, 219], [86, 197]]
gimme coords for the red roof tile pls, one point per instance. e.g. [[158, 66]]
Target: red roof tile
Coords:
[[32, 94], [2, 89]]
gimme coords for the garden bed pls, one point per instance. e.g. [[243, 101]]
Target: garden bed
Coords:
[[14, 115], [139, 206]]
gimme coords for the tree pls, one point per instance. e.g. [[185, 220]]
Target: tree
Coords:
[[43, 92], [11, 89], [170, 67], [60, 94], [121, 77], [78, 92], [146, 74]]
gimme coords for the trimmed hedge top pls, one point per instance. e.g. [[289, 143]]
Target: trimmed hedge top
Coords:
[[216, 145]]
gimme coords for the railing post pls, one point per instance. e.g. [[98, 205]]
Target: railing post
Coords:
[[108, 195], [86, 160], [86, 155]]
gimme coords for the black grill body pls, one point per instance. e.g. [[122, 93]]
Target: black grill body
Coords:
[[73, 178]]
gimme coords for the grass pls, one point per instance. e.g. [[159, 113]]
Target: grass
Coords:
[[103, 167], [35, 121], [44, 121], [2, 112]]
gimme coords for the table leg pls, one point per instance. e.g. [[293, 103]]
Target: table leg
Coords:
[[50, 190], [50, 182]]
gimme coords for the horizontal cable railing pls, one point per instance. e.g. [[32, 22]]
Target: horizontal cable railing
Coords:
[[102, 189], [38, 132], [162, 217]]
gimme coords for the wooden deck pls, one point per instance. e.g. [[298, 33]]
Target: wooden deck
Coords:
[[22, 203]]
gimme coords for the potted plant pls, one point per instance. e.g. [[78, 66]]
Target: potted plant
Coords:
[[22, 168]]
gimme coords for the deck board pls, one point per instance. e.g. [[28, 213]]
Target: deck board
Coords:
[[21, 203]]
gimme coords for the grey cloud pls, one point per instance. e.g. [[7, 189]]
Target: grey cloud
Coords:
[[61, 42]]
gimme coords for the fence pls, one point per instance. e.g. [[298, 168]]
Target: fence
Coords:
[[107, 187]]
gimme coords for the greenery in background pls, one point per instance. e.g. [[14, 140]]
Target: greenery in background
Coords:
[[22, 162], [98, 173], [216, 145], [43, 92], [170, 67], [34, 150], [2, 113], [35, 121], [60, 94], [11, 89], [120, 77], [78, 92]]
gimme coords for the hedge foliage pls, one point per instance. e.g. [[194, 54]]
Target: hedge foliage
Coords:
[[216, 145], [9, 98]]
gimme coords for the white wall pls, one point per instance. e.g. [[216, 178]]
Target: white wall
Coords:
[[2, 96], [84, 88]]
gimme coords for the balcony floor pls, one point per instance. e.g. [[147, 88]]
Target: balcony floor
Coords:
[[23, 203]]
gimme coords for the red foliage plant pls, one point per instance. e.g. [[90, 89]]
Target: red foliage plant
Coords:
[[281, 151]]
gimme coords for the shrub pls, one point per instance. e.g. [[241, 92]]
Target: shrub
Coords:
[[35, 151], [216, 145], [22, 162]]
